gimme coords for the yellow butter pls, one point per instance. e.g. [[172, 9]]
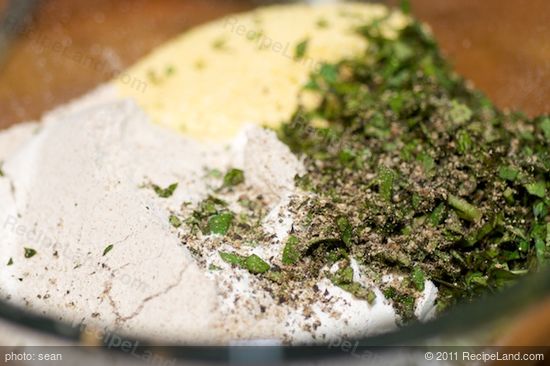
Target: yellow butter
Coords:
[[242, 69]]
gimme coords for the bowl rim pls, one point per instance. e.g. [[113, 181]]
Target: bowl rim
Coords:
[[460, 319]]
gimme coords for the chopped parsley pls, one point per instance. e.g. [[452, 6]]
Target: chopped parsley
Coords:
[[255, 264], [220, 44], [434, 182], [301, 49], [174, 221], [108, 249], [170, 70], [322, 23], [252, 263], [214, 173], [291, 254], [10, 262], [233, 178], [29, 253], [537, 188], [232, 258], [213, 267], [508, 173], [343, 278], [545, 127], [220, 223], [418, 278], [165, 192]]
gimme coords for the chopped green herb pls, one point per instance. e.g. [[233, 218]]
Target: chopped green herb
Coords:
[[29, 253], [108, 249], [540, 210], [387, 178], [460, 113], [170, 70], [418, 278], [322, 23], [402, 51], [233, 178], [255, 264], [220, 223], [336, 254], [537, 189], [153, 78], [291, 254], [540, 250], [346, 230], [329, 73], [465, 209], [301, 49], [212, 216], [508, 195], [254, 35], [437, 215], [219, 44], [343, 278], [508, 173], [275, 276], [476, 278], [464, 142], [10, 262], [174, 221], [252, 263], [457, 179], [428, 163], [214, 173], [545, 127], [213, 267], [165, 192], [371, 297], [359, 291], [233, 259], [405, 6]]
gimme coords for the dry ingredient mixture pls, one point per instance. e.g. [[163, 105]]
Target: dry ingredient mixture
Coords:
[[410, 172]]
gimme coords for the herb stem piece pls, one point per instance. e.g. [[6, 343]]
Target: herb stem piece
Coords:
[[465, 209]]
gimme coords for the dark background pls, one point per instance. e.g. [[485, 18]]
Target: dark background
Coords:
[[503, 46]]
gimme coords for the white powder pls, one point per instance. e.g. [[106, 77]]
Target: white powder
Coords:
[[14, 137], [76, 190]]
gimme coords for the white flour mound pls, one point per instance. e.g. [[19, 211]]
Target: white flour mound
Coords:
[[73, 190], [73, 186], [14, 137]]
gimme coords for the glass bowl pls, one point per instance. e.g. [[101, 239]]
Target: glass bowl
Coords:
[[471, 44]]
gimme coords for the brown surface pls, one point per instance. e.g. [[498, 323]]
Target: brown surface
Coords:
[[503, 46], [73, 45], [532, 328]]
